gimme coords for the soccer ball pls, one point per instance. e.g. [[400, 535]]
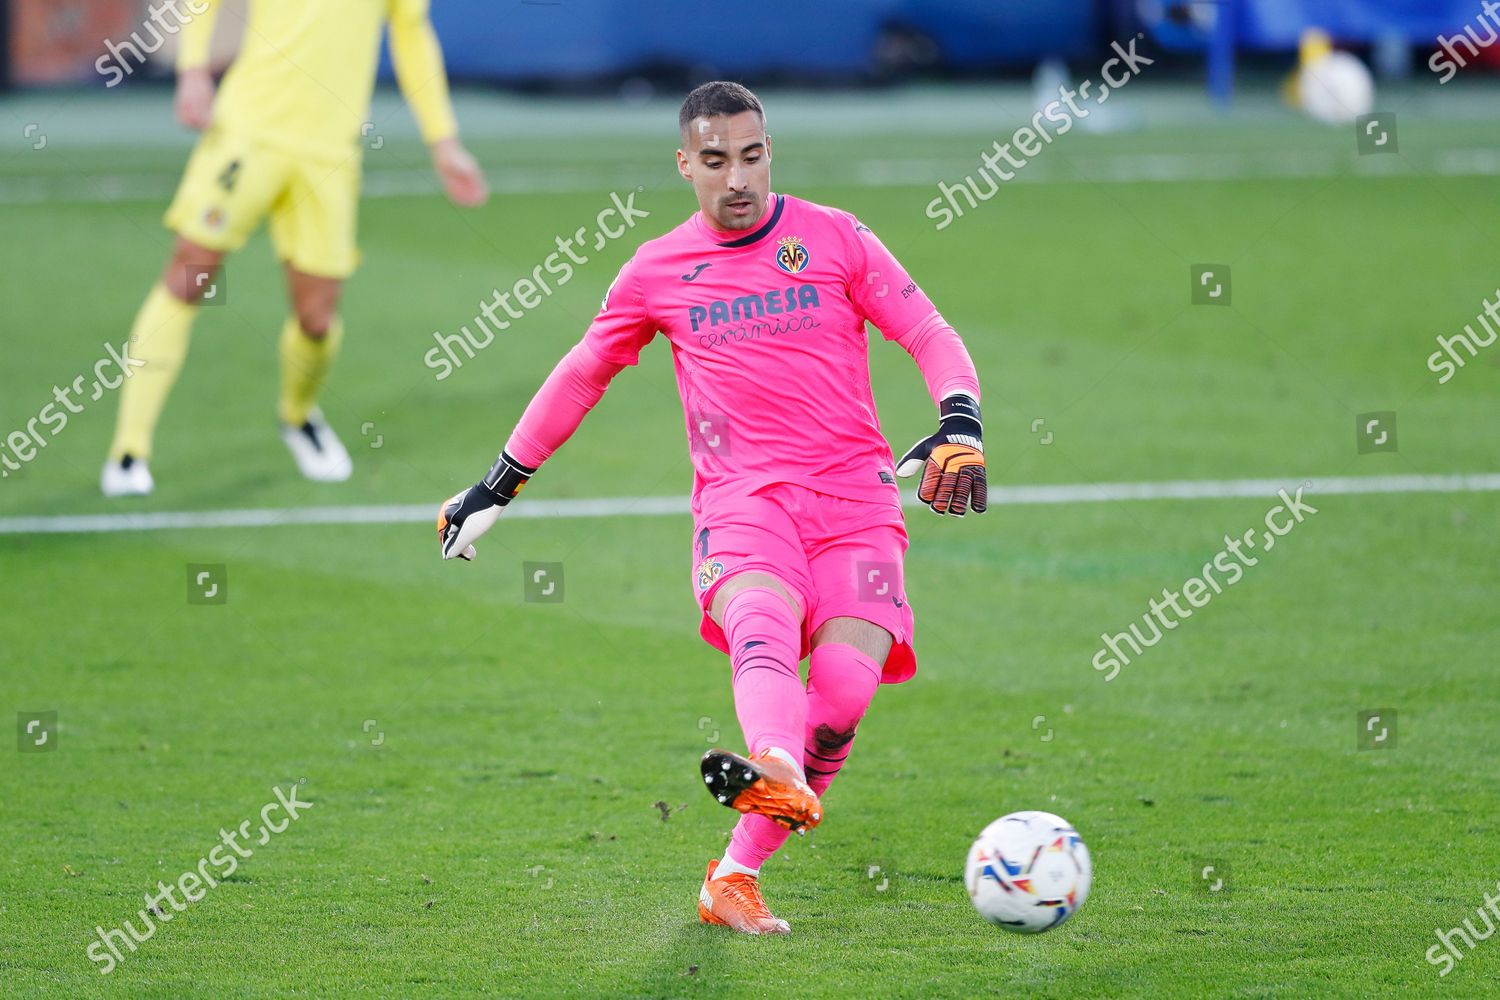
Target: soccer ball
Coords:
[[1336, 89], [1028, 872]]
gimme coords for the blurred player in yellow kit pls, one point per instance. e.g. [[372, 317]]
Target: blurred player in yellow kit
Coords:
[[282, 140]]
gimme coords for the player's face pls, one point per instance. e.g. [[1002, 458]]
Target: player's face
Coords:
[[727, 159]]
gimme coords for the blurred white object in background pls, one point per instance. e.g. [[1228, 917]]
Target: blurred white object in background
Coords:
[[1051, 79], [1332, 87]]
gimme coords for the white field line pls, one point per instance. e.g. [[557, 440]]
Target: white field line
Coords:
[[1127, 168], [999, 496]]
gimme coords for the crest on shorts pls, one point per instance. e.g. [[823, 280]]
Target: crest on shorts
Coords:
[[791, 254], [709, 570], [214, 219]]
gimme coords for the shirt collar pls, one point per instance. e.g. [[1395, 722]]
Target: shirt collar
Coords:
[[732, 240]]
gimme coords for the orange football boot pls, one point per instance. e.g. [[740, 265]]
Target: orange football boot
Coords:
[[734, 901], [762, 784]]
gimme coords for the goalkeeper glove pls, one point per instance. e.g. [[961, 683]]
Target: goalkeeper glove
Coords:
[[951, 461], [467, 515]]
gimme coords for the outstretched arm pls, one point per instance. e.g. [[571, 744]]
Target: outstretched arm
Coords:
[[952, 460], [559, 406], [942, 358], [613, 342], [570, 392], [423, 80]]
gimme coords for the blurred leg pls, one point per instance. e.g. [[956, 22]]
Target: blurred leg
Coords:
[[310, 342], [159, 339]]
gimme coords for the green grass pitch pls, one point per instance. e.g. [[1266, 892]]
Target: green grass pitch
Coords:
[[505, 795]]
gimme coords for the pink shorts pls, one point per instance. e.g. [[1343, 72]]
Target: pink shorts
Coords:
[[840, 558]]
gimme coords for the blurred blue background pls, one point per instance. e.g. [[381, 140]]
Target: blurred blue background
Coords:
[[591, 44], [591, 39]]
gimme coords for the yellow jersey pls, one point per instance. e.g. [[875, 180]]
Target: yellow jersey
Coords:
[[305, 71]]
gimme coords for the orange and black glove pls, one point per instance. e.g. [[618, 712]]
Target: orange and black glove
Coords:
[[951, 461]]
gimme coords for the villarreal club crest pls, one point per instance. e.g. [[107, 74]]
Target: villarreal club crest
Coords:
[[791, 255]]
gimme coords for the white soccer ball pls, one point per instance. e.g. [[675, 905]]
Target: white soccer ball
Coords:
[[1336, 88], [1028, 872]]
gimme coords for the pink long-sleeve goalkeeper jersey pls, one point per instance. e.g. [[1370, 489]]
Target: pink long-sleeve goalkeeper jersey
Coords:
[[768, 338]]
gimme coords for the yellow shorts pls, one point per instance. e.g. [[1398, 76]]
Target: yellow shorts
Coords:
[[232, 183]]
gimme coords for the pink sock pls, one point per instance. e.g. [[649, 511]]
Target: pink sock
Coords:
[[841, 681], [763, 635], [755, 839]]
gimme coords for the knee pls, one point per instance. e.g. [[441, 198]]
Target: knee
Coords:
[[315, 303], [314, 319], [741, 582], [842, 682], [192, 273], [838, 712], [868, 638], [834, 714]]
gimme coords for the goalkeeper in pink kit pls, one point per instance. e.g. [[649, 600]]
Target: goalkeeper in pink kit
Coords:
[[798, 535]]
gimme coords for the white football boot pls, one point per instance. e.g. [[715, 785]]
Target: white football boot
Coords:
[[128, 477], [319, 453]]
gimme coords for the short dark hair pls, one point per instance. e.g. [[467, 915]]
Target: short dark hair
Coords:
[[718, 97]]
